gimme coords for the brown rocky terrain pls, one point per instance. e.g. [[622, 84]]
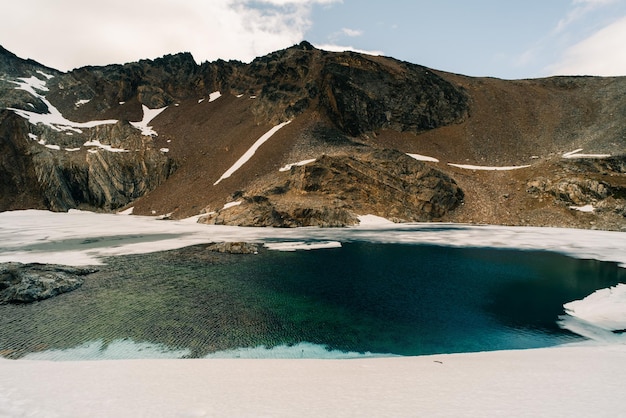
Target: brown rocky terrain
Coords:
[[354, 118]]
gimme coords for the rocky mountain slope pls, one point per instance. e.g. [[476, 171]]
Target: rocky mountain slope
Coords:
[[308, 137]]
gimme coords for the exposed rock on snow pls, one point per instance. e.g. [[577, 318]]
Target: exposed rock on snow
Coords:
[[23, 283]]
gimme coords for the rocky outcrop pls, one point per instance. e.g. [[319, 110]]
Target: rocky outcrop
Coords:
[[573, 191], [362, 94], [25, 283], [359, 93], [334, 190], [604, 184], [234, 248]]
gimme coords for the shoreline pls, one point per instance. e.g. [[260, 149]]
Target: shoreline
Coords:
[[568, 381], [574, 380]]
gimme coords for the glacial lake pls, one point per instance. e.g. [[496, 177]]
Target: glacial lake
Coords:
[[362, 298]]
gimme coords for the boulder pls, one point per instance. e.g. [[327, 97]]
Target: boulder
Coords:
[[25, 283], [234, 247]]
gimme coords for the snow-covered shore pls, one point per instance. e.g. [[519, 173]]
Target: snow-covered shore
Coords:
[[82, 238], [583, 380]]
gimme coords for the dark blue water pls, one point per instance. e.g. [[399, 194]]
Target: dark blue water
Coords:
[[379, 298]]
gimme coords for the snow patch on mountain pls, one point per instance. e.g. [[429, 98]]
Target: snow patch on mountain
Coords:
[[419, 157], [248, 154], [53, 119], [148, 116], [576, 154], [488, 168], [109, 148], [287, 167], [214, 96]]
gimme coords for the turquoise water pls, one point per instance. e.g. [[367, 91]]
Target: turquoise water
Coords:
[[377, 298]]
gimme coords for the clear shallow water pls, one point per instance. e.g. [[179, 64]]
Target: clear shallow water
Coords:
[[375, 298]]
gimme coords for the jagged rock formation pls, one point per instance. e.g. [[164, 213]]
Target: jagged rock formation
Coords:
[[25, 283], [333, 190], [599, 183], [345, 109], [45, 165]]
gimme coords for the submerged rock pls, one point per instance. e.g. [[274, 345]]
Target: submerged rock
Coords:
[[234, 247], [25, 283]]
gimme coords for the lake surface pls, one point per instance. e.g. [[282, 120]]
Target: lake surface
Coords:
[[392, 299]]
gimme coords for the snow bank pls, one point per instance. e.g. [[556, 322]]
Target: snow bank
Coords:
[[214, 96], [49, 237], [556, 382], [419, 157], [248, 154], [488, 168], [586, 208], [232, 204], [373, 220], [287, 167], [605, 308], [576, 154]]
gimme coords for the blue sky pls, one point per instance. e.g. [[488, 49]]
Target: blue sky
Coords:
[[505, 39]]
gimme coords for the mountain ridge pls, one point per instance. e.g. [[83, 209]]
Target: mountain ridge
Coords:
[[339, 104]]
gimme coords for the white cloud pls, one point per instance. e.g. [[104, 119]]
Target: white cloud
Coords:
[[70, 33], [600, 54], [583, 7], [351, 32], [341, 48]]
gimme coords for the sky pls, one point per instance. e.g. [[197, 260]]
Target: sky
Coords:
[[505, 39]]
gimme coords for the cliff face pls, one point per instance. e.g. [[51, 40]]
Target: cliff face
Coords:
[[46, 163], [158, 134]]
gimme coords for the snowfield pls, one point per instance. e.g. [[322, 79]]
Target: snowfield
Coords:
[[568, 381]]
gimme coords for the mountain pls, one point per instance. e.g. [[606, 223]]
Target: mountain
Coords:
[[309, 137]]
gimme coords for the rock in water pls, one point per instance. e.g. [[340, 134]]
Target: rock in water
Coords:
[[234, 248], [25, 283]]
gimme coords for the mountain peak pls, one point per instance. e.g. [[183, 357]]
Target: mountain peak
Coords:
[[305, 45]]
